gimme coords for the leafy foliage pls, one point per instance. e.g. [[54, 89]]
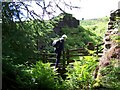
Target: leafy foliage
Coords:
[[78, 37], [20, 47], [44, 77], [96, 26], [111, 75], [80, 76], [22, 41]]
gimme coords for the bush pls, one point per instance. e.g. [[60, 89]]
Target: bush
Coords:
[[80, 76], [111, 76], [44, 77]]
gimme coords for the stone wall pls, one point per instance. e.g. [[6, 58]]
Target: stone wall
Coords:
[[111, 45]]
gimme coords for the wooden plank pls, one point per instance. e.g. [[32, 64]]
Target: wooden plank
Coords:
[[59, 64], [48, 54], [76, 49], [99, 44], [85, 51], [72, 55], [51, 58], [70, 61]]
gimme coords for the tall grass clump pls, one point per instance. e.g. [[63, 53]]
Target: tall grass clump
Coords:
[[81, 75]]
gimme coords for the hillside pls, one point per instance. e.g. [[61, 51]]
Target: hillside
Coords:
[[96, 26], [88, 31]]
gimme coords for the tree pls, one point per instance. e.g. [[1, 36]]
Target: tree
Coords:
[[20, 38]]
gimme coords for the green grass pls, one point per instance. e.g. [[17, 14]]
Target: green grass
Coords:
[[88, 31], [96, 26]]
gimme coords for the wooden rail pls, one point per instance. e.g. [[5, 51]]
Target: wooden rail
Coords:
[[99, 50], [65, 57], [68, 54]]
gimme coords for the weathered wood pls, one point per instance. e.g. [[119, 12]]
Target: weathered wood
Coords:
[[53, 64], [99, 44], [71, 50], [73, 55], [68, 54], [70, 61], [47, 53], [44, 57], [97, 48], [51, 58], [64, 58]]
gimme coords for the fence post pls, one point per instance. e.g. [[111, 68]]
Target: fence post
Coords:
[[63, 58], [44, 55], [97, 50], [67, 56]]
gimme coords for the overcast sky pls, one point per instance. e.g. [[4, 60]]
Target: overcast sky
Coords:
[[96, 8], [89, 8]]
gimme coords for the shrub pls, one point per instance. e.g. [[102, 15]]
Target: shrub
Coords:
[[80, 76], [111, 76], [44, 77]]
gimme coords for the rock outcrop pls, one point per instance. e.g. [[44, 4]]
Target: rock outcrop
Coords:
[[68, 21]]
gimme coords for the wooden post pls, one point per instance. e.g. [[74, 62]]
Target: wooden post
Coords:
[[97, 50], [67, 56], [44, 57], [63, 58], [97, 47]]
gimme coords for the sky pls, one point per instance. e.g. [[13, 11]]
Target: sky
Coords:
[[96, 8], [89, 9]]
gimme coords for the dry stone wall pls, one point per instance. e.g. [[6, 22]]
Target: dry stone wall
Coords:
[[111, 51]]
